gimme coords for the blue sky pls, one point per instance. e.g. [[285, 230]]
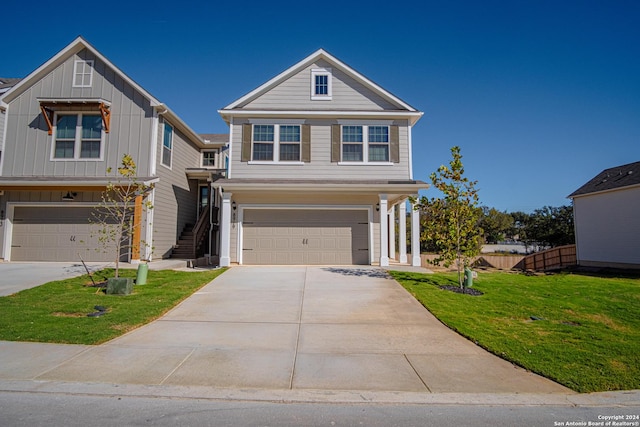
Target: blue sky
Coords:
[[540, 95]]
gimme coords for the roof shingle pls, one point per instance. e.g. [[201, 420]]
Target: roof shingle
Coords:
[[610, 179]]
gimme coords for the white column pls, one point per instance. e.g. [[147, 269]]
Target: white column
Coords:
[[415, 237], [225, 231], [402, 230], [384, 231], [392, 232]]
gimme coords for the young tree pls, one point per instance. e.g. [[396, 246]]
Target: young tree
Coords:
[[452, 221], [114, 216]]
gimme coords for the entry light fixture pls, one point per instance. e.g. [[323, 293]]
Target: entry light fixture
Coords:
[[69, 196], [234, 206], [377, 207]]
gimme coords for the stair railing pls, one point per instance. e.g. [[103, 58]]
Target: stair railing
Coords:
[[200, 229]]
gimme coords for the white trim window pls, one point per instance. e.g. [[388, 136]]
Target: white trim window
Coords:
[[355, 150], [276, 143], [167, 145], [78, 136], [209, 158], [83, 73], [378, 137], [321, 84]]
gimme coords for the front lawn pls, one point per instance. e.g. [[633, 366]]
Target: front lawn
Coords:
[[57, 311], [586, 332]]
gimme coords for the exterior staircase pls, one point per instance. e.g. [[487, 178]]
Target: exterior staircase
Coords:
[[192, 241]]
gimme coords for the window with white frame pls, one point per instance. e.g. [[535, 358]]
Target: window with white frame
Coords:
[[276, 143], [321, 84], [361, 143], [208, 159], [378, 137], [167, 145], [78, 137], [83, 73], [352, 143]]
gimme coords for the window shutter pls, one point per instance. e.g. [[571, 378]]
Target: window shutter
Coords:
[[394, 148], [306, 144], [246, 142], [335, 143]]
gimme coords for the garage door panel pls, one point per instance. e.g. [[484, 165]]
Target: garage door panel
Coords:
[[305, 236], [43, 233]]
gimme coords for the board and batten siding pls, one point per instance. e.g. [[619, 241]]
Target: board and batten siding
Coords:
[[176, 197], [608, 227], [321, 166], [295, 93], [28, 145]]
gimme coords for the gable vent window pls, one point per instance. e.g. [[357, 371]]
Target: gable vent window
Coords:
[[83, 73], [321, 84]]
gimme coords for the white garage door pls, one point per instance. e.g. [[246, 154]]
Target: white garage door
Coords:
[[55, 234], [301, 237]]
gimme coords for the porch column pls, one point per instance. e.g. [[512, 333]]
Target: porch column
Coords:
[[415, 237], [402, 230], [137, 224], [225, 231], [392, 232], [384, 231]]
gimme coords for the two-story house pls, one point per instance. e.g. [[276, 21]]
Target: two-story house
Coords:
[[61, 130], [320, 170]]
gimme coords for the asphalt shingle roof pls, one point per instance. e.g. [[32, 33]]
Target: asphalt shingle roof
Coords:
[[610, 179]]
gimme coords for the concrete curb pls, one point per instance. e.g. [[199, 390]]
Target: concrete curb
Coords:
[[606, 399]]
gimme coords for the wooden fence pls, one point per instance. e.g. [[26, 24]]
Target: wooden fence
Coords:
[[554, 258]]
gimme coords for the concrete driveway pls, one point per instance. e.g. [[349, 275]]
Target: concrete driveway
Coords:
[[16, 276], [286, 328]]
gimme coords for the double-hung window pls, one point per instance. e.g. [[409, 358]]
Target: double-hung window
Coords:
[[276, 143], [366, 144], [289, 138], [167, 145], [78, 137], [352, 143], [263, 142], [378, 137]]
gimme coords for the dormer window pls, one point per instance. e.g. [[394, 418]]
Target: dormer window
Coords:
[[321, 86], [83, 73]]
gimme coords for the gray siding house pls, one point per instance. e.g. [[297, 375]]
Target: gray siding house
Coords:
[[320, 170], [606, 219], [63, 126]]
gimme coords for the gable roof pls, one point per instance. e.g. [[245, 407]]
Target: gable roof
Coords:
[[73, 48], [318, 55], [611, 179]]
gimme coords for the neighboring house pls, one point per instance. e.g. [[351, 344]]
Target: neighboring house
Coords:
[[62, 127], [6, 84], [320, 157], [607, 221]]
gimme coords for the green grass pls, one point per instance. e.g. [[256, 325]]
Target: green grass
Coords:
[[588, 340], [56, 312]]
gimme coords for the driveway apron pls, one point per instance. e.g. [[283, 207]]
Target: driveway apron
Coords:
[[327, 328]]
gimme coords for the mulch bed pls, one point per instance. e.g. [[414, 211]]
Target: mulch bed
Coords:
[[459, 290]]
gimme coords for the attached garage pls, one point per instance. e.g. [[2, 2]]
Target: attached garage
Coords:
[[57, 233], [305, 237]]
